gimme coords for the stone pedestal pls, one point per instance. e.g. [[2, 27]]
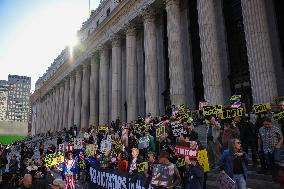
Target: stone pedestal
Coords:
[[214, 55], [104, 86], [116, 79], [78, 98], [259, 49], [94, 90], [177, 83], [151, 63], [85, 109], [131, 69]]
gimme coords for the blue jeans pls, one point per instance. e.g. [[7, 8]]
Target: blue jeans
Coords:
[[272, 159], [240, 181]]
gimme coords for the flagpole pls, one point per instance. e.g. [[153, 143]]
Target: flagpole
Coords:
[[89, 7]]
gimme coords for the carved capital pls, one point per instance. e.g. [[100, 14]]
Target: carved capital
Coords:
[[130, 29], [116, 41], [172, 2], [149, 14]]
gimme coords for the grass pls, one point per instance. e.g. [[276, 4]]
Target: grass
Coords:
[[9, 139]]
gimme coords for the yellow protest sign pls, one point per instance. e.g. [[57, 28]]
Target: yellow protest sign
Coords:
[[203, 159], [180, 162], [230, 113], [183, 114], [212, 110], [53, 159], [278, 116], [141, 167], [260, 108], [235, 97], [90, 150], [160, 131], [103, 128]]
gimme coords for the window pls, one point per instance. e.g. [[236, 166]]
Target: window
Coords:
[[108, 11], [98, 22]]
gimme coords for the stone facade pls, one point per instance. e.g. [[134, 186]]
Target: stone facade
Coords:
[[137, 59]]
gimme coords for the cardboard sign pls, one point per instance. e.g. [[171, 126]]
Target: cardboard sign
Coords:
[[203, 159], [212, 110], [278, 116], [53, 159], [141, 128], [78, 143], [90, 150], [180, 162], [141, 167], [105, 145], [230, 113], [116, 143], [225, 182], [236, 97], [177, 128], [183, 114], [260, 108], [103, 128], [182, 151], [160, 131], [61, 147], [161, 174], [143, 142]]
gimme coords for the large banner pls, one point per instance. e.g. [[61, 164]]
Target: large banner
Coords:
[[110, 179]]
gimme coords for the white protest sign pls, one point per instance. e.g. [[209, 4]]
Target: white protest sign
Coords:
[[78, 143], [105, 145], [177, 128], [143, 142], [61, 147], [225, 182]]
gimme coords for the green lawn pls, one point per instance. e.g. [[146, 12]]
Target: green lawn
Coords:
[[9, 139]]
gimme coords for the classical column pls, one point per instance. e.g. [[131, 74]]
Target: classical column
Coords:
[[94, 90], [151, 63], [140, 72], [71, 102], [177, 83], [104, 86], [259, 50], [78, 98], [123, 82], [116, 79], [214, 55], [61, 107], [131, 69], [53, 104], [65, 103], [85, 109], [57, 101]]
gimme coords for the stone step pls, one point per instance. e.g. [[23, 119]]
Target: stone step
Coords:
[[254, 181]]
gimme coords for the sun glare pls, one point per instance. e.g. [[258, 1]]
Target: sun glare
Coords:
[[73, 42]]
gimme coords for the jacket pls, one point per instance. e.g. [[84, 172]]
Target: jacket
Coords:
[[227, 163], [194, 177]]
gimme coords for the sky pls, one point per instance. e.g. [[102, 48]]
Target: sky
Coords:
[[34, 32]]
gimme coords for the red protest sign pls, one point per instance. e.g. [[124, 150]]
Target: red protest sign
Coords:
[[182, 151]]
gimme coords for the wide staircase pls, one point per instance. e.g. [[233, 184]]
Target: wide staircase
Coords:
[[255, 179]]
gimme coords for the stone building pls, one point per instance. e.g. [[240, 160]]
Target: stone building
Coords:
[[4, 88], [141, 56]]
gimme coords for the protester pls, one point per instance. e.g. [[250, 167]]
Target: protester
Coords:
[[58, 184], [271, 139], [194, 174], [234, 163]]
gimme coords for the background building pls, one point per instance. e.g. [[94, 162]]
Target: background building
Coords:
[[18, 98], [4, 89]]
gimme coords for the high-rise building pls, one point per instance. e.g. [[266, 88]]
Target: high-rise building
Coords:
[[4, 88], [18, 98]]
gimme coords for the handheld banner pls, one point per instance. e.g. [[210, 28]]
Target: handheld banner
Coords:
[[141, 167], [160, 131], [182, 151], [143, 142], [212, 110], [230, 113], [202, 104], [177, 128], [103, 128], [105, 145], [260, 108], [236, 97], [278, 116], [90, 150], [203, 159], [53, 159], [225, 182]]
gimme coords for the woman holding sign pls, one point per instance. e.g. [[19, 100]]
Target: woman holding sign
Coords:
[[234, 163]]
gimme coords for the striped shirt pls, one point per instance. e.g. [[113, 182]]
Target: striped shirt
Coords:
[[269, 137]]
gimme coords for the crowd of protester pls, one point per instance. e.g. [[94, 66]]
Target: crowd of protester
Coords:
[[227, 144]]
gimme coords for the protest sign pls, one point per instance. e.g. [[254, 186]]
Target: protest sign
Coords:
[[230, 113], [160, 131], [182, 151], [103, 128], [260, 108], [53, 159], [90, 150], [278, 116], [235, 97], [61, 147], [225, 182], [78, 143], [202, 104], [177, 128], [141, 167], [143, 142], [183, 114], [161, 174], [203, 159], [105, 145], [110, 179], [180, 162], [212, 110]]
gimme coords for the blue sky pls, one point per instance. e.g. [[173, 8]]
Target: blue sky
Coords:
[[34, 32]]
